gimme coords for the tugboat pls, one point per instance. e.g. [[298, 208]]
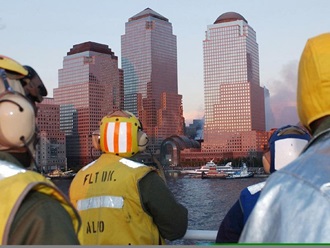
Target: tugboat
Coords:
[[213, 173], [240, 173]]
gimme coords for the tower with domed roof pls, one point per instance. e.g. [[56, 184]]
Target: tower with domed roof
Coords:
[[233, 99]]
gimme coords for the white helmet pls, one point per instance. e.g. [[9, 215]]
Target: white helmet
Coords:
[[285, 145]]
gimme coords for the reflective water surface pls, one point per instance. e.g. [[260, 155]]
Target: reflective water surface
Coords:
[[207, 200]]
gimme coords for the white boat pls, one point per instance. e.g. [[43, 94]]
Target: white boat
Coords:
[[211, 164], [242, 173], [227, 168]]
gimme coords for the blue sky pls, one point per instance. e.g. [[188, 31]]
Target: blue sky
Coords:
[[40, 33]]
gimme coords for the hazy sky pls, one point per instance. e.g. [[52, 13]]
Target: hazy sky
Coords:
[[39, 33]]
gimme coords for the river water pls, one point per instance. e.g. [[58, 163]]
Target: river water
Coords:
[[207, 200]]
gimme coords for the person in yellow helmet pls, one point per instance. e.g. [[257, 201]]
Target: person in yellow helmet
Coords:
[[121, 201], [33, 210], [293, 207]]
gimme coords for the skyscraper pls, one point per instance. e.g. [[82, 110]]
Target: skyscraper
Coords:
[[90, 86], [50, 152], [233, 98], [149, 62]]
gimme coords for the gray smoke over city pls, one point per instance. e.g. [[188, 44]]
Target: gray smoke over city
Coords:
[[283, 96]]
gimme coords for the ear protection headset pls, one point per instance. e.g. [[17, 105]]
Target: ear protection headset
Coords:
[[34, 88], [96, 139], [143, 138], [120, 133], [17, 117], [285, 145]]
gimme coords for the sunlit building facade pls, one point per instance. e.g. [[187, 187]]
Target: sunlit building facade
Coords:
[[233, 98], [149, 62], [50, 150], [90, 86]]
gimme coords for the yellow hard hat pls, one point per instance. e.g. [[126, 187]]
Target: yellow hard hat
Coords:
[[121, 134], [313, 89], [12, 65]]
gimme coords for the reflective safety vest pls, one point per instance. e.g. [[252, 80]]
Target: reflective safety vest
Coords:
[[15, 184], [248, 198], [106, 194]]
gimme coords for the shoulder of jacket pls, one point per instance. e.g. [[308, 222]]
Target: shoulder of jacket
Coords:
[[255, 188], [131, 163]]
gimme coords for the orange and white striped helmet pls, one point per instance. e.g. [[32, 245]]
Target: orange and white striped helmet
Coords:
[[119, 134]]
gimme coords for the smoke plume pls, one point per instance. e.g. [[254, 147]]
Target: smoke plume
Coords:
[[283, 96]]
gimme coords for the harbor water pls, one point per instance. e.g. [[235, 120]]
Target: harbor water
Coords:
[[207, 200]]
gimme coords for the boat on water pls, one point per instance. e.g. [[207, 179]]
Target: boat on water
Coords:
[[211, 166], [242, 173], [213, 173], [236, 175], [58, 174]]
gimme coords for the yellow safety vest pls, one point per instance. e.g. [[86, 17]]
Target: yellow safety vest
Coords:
[[15, 184], [106, 194]]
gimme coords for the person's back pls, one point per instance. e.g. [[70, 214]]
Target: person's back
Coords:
[[293, 206], [284, 145], [33, 210], [122, 202]]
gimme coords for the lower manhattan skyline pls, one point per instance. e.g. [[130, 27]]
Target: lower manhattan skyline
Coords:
[[39, 33]]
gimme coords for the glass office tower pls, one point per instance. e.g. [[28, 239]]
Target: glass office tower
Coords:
[[149, 62], [90, 86], [233, 98]]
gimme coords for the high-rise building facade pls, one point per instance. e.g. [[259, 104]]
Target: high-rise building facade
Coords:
[[149, 62], [233, 98], [50, 150], [90, 86]]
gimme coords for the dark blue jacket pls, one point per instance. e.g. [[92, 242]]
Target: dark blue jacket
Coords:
[[232, 225]]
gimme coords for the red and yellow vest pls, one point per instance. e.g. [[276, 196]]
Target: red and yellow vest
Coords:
[[15, 184], [106, 194]]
